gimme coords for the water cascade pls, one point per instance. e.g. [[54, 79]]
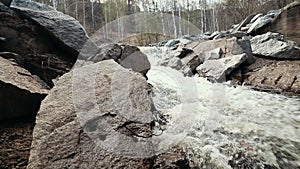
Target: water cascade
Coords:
[[222, 123]]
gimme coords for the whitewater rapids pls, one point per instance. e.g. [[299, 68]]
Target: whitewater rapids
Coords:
[[225, 124]]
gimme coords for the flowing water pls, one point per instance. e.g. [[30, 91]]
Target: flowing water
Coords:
[[225, 126]]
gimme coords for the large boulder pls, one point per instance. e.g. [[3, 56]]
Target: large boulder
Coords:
[[21, 92], [99, 116], [274, 45], [217, 70], [231, 46], [66, 29], [48, 45]]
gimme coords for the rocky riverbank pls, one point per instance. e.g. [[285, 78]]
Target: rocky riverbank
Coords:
[[69, 102], [249, 53]]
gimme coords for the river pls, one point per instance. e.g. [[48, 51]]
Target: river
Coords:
[[225, 126]]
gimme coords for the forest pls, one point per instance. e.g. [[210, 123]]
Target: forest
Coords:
[[160, 19]]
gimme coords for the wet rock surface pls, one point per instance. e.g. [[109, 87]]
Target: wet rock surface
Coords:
[[276, 76], [102, 115], [267, 38]]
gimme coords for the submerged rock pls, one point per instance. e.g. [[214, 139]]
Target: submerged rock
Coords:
[[173, 62], [20, 92]]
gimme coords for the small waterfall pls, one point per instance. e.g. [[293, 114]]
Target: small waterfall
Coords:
[[218, 121]]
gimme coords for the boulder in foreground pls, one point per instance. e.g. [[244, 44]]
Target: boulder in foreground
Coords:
[[103, 121]]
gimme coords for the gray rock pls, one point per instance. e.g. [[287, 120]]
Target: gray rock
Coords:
[[231, 46], [216, 70], [20, 93], [243, 23], [172, 62], [128, 56], [213, 35], [175, 63], [238, 34], [115, 133], [184, 60], [184, 41], [222, 34], [244, 46], [273, 13], [172, 43], [133, 58], [261, 22], [63, 27], [214, 54], [98, 53], [182, 52], [275, 46], [255, 18], [36, 48], [246, 28], [190, 63]]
